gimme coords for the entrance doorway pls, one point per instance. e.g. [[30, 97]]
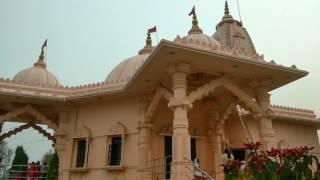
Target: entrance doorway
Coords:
[[168, 153], [167, 156]]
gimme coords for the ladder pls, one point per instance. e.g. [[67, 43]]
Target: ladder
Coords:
[[244, 124]]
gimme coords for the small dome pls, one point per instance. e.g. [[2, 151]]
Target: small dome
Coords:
[[127, 68], [196, 38], [199, 40], [38, 74]]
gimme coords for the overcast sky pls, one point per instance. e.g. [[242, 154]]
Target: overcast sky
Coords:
[[87, 38]]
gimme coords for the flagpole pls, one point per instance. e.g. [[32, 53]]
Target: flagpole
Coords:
[[157, 37]]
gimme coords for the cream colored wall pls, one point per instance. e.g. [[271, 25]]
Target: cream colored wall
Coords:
[[295, 134], [99, 118], [235, 134]]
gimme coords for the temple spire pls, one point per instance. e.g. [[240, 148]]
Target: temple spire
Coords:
[[41, 62], [226, 8], [195, 27]]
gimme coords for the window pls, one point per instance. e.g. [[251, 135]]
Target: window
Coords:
[[81, 153], [115, 151], [115, 147], [81, 142]]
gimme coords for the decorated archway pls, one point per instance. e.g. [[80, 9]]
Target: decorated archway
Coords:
[[30, 124]]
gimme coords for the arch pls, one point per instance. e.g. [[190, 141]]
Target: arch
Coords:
[[229, 85], [26, 126], [161, 92], [224, 117], [117, 129], [32, 111], [83, 132]]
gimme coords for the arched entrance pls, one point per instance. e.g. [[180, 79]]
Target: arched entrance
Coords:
[[19, 122]]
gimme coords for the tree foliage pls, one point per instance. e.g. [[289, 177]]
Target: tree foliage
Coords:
[[5, 153], [53, 172], [20, 162], [20, 157], [46, 159]]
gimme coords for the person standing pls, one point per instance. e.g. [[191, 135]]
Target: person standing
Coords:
[[32, 171], [37, 170], [44, 171]]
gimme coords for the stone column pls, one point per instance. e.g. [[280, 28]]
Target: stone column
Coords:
[[144, 152], [60, 146], [181, 150], [214, 139], [267, 133]]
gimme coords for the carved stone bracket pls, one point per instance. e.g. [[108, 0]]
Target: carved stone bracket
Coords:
[[228, 84]]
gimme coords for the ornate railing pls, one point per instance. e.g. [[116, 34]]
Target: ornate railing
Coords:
[[200, 174], [23, 172]]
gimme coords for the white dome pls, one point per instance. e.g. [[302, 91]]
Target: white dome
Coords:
[[199, 40], [127, 68], [38, 74]]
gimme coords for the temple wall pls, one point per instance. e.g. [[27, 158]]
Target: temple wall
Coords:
[[235, 134], [99, 118], [295, 134]]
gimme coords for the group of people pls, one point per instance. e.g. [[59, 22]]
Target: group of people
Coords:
[[34, 171]]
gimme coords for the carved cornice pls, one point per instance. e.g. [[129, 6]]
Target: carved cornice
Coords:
[[60, 93]]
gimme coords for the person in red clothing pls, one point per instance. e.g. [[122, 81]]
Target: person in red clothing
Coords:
[[37, 170], [32, 171]]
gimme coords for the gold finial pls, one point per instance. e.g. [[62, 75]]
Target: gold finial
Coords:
[[148, 40], [195, 28], [226, 8], [40, 62]]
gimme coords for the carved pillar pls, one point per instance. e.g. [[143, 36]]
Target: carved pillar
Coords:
[[265, 121], [215, 139], [60, 146], [181, 150], [144, 153]]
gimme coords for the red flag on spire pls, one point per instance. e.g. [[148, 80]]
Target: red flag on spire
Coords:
[[152, 30], [193, 11], [44, 44]]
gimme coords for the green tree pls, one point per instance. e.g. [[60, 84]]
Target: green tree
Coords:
[[5, 157], [53, 167], [5, 153], [46, 159], [20, 161]]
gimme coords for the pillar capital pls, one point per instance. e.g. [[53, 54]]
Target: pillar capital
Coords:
[[174, 103], [180, 67]]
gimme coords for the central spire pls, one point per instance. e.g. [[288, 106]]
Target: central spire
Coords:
[[195, 27], [226, 8]]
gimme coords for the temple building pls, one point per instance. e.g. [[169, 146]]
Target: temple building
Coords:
[[159, 110]]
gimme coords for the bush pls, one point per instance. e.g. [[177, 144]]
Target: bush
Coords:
[[276, 164]]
